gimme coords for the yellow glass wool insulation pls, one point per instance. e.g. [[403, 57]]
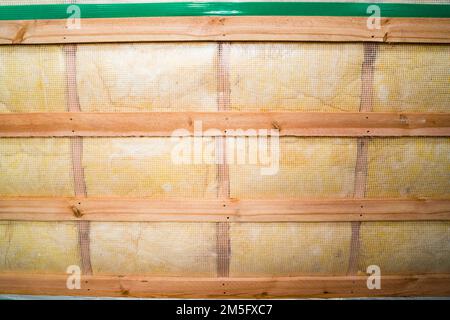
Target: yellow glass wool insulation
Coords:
[[412, 78], [145, 167], [157, 249], [408, 167], [36, 167], [33, 79], [147, 77], [257, 249], [41, 247], [405, 247], [308, 168], [289, 249], [295, 76]]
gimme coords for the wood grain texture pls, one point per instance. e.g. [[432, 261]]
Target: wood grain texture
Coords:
[[165, 123], [126, 209], [249, 28], [173, 287]]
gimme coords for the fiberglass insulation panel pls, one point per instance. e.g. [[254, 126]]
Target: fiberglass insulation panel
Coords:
[[257, 249], [263, 77], [295, 76], [33, 79], [289, 249], [144, 167], [405, 247], [41, 247], [180, 249], [325, 168], [408, 168], [171, 249], [412, 78], [147, 77], [308, 168], [35, 167]]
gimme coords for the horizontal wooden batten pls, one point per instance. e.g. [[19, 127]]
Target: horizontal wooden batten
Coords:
[[123, 209], [226, 124], [226, 28], [267, 287]]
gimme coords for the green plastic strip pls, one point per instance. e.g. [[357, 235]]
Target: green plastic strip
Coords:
[[179, 9]]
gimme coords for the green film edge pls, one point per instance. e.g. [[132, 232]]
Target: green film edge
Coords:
[[180, 9]]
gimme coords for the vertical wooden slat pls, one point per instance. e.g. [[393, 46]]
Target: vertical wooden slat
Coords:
[[366, 105], [223, 245], [73, 105]]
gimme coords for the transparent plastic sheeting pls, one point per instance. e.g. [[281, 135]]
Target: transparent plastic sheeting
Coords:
[[310, 77], [306, 168], [257, 249]]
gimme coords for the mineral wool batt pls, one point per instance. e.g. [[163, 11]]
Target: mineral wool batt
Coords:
[[160, 249], [309, 167], [410, 247], [288, 249], [33, 79], [40, 247], [147, 77], [412, 78], [408, 168], [295, 76], [145, 167], [36, 167]]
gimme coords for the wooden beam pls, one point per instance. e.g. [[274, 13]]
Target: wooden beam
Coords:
[[165, 123], [126, 209], [268, 287], [230, 28]]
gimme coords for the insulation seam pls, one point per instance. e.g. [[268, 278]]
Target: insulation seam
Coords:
[[73, 105], [361, 166]]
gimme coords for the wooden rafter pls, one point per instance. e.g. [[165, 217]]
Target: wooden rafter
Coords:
[[227, 122], [217, 210], [264, 287], [231, 28]]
